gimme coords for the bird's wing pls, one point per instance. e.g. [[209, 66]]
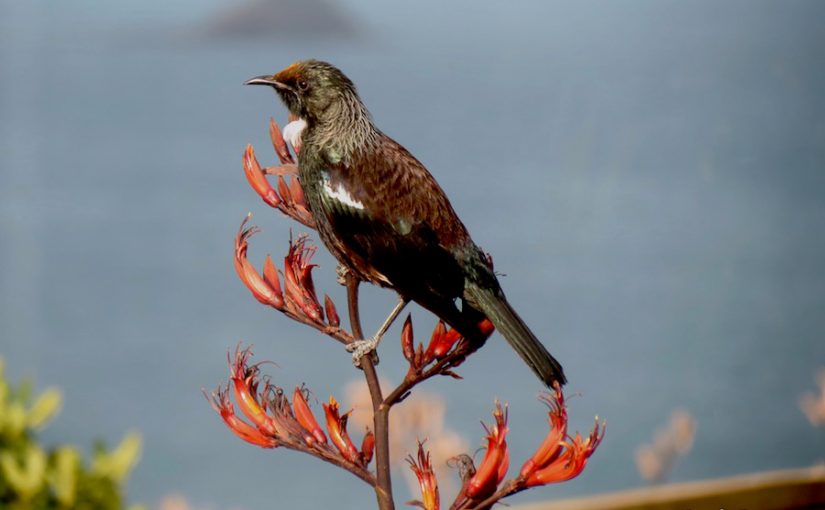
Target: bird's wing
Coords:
[[390, 214]]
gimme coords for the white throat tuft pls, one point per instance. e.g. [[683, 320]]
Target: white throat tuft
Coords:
[[292, 132]]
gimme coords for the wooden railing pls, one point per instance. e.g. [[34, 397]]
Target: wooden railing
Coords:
[[795, 489]]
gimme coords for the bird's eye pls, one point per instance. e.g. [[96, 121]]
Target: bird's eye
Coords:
[[302, 85]]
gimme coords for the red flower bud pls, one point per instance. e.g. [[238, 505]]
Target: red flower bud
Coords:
[[245, 388], [298, 279], [332, 313], [278, 143], [367, 447], [407, 345], [271, 276], [220, 403], [256, 178], [496, 460], [337, 428], [560, 457], [436, 346], [551, 447], [307, 420], [297, 192], [423, 469], [283, 190], [260, 287], [443, 340]]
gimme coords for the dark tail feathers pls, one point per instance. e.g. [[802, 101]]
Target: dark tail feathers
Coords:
[[515, 331]]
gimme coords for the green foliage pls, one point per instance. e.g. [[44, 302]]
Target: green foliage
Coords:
[[33, 477]]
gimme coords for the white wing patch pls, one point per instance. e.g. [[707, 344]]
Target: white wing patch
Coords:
[[339, 193]]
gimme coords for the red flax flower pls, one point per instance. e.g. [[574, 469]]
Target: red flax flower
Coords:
[[443, 340], [274, 422], [289, 196], [367, 447], [221, 403], [423, 469], [306, 419], [496, 460], [264, 431], [266, 288], [255, 176], [300, 290], [560, 457], [245, 383], [337, 427], [297, 298]]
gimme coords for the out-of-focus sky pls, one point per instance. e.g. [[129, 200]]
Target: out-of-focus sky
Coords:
[[649, 175]]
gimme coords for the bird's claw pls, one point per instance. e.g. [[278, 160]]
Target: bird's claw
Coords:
[[341, 274], [360, 348]]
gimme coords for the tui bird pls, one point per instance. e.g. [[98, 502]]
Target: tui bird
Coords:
[[386, 219]]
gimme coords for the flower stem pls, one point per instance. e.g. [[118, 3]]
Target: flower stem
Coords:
[[507, 489], [383, 487]]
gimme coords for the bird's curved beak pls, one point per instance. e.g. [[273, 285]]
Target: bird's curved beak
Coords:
[[266, 79]]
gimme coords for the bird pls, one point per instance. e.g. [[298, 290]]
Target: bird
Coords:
[[384, 217]]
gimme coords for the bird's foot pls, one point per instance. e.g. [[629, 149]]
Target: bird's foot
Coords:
[[360, 348], [341, 274]]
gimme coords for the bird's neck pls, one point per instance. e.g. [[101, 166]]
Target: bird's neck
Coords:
[[344, 128]]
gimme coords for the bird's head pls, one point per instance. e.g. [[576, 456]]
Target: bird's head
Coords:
[[309, 88]]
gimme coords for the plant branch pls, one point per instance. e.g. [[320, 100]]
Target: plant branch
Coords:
[[413, 378], [334, 332], [269, 420], [383, 487], [507, 489], [327, 454]]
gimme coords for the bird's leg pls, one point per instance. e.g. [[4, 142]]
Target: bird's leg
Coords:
[[359, 348]]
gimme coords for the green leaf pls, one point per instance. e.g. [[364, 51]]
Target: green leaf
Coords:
[[46, 406], [117, 464], [25, 476]]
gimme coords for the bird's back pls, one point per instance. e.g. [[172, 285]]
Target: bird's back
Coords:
[[383, 214]]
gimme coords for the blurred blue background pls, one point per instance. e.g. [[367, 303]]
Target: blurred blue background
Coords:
[[649, 175]]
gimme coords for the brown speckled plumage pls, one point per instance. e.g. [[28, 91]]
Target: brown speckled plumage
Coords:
[[382, 214]]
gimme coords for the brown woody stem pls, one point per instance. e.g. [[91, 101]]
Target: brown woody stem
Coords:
[[415, 377], [383, 487], [327, 455], [507, 489]]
